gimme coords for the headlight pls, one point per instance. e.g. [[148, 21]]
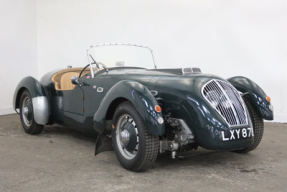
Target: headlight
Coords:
[[213, 97], [160, 120], [224, 102], [270, 107]]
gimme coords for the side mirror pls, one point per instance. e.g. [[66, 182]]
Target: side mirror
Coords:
[[75, 80]]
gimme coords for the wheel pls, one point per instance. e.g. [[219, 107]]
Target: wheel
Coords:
[[27, 115], [258, 126], [135, 149]]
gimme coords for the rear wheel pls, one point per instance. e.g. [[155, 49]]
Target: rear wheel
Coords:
[[258, 126], [27, 114], [136, 149]]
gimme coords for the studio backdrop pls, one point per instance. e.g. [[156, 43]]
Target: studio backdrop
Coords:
[[226, 38]]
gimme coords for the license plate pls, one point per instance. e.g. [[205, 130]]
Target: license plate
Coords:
[[235, 134]]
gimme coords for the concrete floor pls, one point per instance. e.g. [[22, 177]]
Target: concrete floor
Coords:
[[61, 159]]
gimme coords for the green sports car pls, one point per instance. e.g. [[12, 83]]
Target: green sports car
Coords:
[[143, 111]]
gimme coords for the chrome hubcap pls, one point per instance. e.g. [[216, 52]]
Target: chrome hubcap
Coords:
[[124, 137], [25, 111]]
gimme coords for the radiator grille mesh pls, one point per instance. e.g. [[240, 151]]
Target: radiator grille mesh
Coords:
[[226, 100]]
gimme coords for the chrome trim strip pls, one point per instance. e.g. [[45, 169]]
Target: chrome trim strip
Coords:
[[41, 109], [92, 72], [127, 44]]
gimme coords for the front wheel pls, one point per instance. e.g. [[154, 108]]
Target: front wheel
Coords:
[[258, 126], [135, 149], [27, 115]]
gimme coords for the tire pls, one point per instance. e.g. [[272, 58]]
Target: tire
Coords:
[[258, 126], [141, 150], [27, 116]]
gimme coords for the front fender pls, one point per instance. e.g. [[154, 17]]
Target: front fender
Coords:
[[140, 97], [256, 94], [41, 109]]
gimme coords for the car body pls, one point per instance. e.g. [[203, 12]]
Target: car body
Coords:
[[146, 111]]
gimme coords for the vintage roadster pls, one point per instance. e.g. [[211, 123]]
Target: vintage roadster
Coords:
[[145, 111]]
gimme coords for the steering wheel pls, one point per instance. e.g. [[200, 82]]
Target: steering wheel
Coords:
[[99, 63], [84, 69]]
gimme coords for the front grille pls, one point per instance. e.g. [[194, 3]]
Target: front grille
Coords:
[[226, 100]]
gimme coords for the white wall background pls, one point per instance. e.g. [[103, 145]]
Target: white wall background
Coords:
[[223, 37], [18, 47]]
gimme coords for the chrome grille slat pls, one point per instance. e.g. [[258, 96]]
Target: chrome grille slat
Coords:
[[226, 100], [223, 106], [219, 107], [229, 110], [230, 95], [238, 106], [239, 99], [229, 117]]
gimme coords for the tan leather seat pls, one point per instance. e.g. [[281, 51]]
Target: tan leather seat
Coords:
[[66, 83], [64, 77]]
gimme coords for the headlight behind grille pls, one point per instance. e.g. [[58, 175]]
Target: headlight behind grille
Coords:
[[226, 100]]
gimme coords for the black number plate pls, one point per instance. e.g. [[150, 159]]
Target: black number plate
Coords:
[[235, 134]]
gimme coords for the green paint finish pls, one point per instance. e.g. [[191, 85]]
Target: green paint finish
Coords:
[[140, 97], [256, 94], [183, 99], [32, 85], [181, 95]]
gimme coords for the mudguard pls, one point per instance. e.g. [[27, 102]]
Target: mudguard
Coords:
[[41, 108], [140, 97], [256, 95]]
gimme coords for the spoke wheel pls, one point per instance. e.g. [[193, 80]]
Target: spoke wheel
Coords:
[[27, 116], [123, 136], [136, 149]]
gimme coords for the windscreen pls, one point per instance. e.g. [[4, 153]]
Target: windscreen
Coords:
[[122, 56]]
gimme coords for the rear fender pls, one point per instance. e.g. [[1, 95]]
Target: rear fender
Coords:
[[41, 109], [140, 97], [256, 95]]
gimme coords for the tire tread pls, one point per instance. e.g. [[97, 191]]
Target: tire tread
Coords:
[[258, 126], [34, 128], [151, 145]]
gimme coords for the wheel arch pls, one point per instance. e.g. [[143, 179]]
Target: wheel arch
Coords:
[[18, 97], [256, 94], [39, 96], [139, 96], [113, 106]]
